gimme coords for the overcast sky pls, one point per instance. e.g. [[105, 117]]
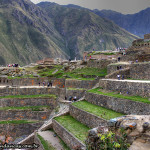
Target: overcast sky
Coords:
[[123, 6]]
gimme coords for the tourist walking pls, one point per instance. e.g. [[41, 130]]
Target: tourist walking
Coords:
[[118, 76]]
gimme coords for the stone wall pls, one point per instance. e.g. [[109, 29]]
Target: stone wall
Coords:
[[85, 84], [123, 73], [86, 118], [117, 104], [32, 91], [24, 115], [126, 87], [7, 102], [140, 71], [37, 141], [77, 93], [66, 136], [17, 130], [113, 67], [32, 81], [101, 64]]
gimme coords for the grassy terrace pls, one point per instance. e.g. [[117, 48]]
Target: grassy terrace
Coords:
[[18, 121], [31, 108], [46, 145], [75, 74], [113, 94], [30, 96], [76, 128], [97, 110]]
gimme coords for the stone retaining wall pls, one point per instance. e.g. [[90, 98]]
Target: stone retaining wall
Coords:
[[7, 102], [77, 93], [123, 72], [85, 84], [17, 130], [86, 118], [32, 91], [125, 87], [117, 104], [66, 136], [101, 64], [32, 81], [113, 67], [24, 115], [37, 141], [140, 71]]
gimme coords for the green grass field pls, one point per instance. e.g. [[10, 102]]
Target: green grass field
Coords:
[[97, 110], [18, 121], [113, 94], [31, 96], [31, 108], [76, 128]]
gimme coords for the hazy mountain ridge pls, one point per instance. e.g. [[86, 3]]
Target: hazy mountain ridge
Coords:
[[137, 23], [30, 33], [84, 30]]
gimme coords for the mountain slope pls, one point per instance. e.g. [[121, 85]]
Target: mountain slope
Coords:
[[137, 24], [84, 30], [27, 34]]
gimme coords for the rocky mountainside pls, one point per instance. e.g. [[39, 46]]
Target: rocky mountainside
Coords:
[[137, 24], [83, 30], [30, 32], [27, 34]]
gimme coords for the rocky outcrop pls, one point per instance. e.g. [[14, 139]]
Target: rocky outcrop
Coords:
[[136, 127]]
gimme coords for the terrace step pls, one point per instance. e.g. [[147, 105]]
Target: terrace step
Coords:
[[121, 105], [91, 115], [72, 132]]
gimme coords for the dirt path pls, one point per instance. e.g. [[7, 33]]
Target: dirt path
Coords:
[[53, 140]]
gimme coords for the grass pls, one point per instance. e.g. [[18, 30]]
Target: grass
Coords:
[[75, 74], [46, 145], [76, 128], [113, 94], [25, 76], [17, 121], [31, 96], [97, 110], [31, 108]]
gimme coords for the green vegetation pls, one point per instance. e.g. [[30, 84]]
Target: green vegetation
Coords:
[[100, 53], [97, 110], [31, 108], [17, 121], [76, 128], [49, 72], [110, 141], [113, 94], [46, 145], [25, 76], [79, 74], [30, 96]]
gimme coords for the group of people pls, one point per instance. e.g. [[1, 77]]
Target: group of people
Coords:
[[48, 84], [120, 77], [71, 98], [12, 65]]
